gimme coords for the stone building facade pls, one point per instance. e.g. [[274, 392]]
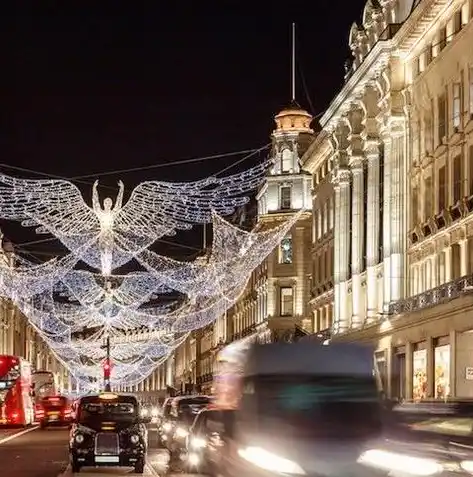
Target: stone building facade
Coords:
[[318, 161], [18, 337], [401, 131]]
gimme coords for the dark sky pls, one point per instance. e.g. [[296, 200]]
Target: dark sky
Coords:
[[105, 86]]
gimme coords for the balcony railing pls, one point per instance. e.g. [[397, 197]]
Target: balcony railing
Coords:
[[435, 296]]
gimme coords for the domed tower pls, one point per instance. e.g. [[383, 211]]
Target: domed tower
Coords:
[[288, 187], [288, 191]]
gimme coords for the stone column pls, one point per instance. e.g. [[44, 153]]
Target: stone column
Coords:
[[464, 258], [372, 228], [398, 212], [344, 248], [387, 223], [357, 217], [336, 259], [448, 264]]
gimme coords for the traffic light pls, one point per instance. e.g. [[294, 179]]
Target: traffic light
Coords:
[[106, 369]]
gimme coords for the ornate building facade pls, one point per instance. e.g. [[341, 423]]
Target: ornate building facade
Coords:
[[318, 161], [401, 133]]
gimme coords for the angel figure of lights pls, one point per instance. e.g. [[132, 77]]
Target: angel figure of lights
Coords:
[[106, 218], [154, 209]]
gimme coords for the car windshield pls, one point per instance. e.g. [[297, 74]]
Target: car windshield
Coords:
[[107, 411], [188, 409], [323, 406]]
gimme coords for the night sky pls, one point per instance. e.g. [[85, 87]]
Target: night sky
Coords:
[[101, 86]]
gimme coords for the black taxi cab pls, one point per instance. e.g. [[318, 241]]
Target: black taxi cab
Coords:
[[108, 430]]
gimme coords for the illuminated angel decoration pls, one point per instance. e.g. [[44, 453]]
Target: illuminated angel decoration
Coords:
[[106, 218], [154, 209]]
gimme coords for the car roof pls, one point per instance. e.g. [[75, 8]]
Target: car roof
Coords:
[[99, 397]]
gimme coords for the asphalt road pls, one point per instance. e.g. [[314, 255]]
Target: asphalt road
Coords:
[[35, 453], [43, 453]]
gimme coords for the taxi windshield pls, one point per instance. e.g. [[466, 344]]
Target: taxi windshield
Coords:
[[107, 411]]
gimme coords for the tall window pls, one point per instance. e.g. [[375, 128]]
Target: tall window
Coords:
[[428, 203], [442, 114], [286, 161], [286, 194], [442, 188], [287, 301], [457, 178], [442, 38], [285, 250], [325, 217], [415, 206], [428, 137], [457, 113]]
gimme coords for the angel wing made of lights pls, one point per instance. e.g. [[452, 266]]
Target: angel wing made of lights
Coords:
[[157, 206], [54, 206]]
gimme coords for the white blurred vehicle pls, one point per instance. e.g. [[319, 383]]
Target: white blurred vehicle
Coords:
[[300, 409]]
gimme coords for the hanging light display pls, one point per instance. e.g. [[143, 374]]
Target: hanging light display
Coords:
[[144, 315]]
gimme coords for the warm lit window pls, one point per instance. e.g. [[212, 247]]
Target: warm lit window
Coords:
[[415, 206], [457, 105], [287, 301], [457, 178], [286, 161], [428, 204], [442, 188], [442, 113], [428, 132], [442, 38], [286, 194], [285, 250]]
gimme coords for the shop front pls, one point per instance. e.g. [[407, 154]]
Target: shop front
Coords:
[[426, 354]]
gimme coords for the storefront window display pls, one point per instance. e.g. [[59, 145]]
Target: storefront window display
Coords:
[[419, 388], [442, 372]]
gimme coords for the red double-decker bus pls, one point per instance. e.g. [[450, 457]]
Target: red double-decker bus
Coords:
[[16, 400]]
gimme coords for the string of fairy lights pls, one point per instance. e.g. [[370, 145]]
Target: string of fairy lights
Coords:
[[145, 314]]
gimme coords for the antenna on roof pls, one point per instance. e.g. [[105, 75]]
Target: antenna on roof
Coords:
[[293, 66]]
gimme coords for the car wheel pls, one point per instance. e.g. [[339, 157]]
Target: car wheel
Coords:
[[75, 467], [140, 467]]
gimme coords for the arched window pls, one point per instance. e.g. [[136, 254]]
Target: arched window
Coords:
[[286, 161]]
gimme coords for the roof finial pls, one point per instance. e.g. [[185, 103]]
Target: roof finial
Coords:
[[293, 66]]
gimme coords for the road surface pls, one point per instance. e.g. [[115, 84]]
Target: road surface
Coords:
[[43, 453], [33, 453]]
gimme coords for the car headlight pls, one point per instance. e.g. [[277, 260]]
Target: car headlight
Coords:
[[79, 438], [268, 461], [180, 432], [467, 466], [134, 439], [197, 443], [399, 462], [167, 426]]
